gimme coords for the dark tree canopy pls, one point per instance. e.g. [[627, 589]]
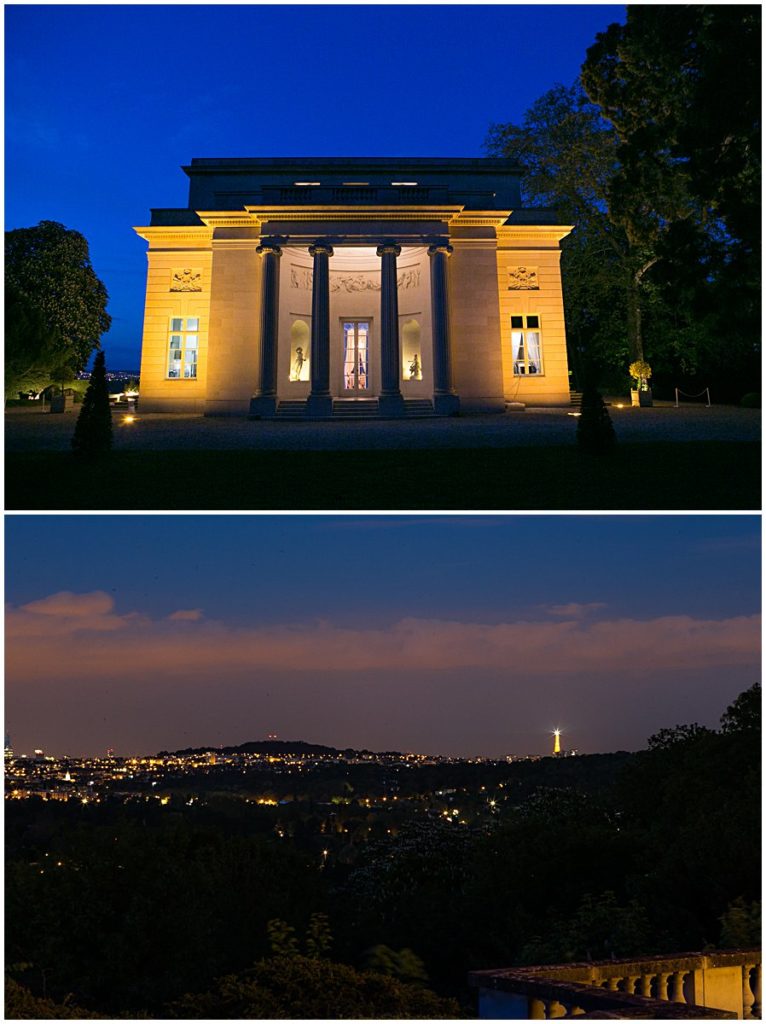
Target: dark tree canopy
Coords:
[[744, 715], [34, 354], [681, 86], [50, 266]]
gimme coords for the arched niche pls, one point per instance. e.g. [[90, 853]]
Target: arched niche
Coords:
[[412, 355], [300, 348]]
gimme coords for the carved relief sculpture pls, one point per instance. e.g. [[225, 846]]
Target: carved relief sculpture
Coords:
[[523, 278], [186, 280], [301, 277]]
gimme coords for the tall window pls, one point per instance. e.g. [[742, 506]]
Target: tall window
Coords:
[[526, 344], [183, 345]]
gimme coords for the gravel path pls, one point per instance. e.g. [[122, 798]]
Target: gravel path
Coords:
[[35, 431]]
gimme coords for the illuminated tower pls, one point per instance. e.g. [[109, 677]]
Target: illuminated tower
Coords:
[[556, 742]]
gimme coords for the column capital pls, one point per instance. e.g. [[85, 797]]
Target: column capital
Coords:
[[269, 246], [444, 247], [389, 247], [319, 247]]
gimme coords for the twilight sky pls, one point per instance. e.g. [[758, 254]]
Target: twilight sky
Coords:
[[457, 635], [103, 103]]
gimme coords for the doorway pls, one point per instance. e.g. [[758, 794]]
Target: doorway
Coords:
[[356, 357]]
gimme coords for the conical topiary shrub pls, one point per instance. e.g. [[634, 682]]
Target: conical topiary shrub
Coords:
[[595, 432], [93, 433]]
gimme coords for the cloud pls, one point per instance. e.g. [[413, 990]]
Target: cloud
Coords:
[[84, 632], [573, 610], [68, 604], [65, 613]]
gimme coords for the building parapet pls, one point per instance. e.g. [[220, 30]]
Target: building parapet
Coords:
[[720, 985]]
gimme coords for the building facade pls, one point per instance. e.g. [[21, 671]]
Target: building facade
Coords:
[[310, 287]]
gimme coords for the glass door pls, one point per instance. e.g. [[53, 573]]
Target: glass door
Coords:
[[356, 353]]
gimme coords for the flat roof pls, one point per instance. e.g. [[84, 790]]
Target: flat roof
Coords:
[[431, 163]]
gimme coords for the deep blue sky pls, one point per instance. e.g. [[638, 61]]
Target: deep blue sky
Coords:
[[454, 635], [104, 103]]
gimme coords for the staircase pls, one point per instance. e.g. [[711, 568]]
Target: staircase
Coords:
[[575, 399], [291, 410], [355, 409], [418, 408]]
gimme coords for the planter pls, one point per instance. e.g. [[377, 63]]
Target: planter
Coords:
[[61, 403], [641, 398]]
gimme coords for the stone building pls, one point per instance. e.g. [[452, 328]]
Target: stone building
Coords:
[[313, 287]]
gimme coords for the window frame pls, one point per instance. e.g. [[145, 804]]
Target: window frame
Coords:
[[524, 331], [185, 333]]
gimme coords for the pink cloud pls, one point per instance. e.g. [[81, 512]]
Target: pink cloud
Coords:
[[72, 605], [36, 642], [65, 613]]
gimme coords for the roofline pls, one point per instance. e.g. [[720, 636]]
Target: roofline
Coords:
[[437, 164]]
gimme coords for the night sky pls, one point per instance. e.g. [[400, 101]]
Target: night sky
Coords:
[[105, 103], [455, 635]]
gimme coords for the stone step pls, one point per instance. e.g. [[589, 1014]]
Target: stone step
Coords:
[[355, 408], [291, 409], [418, 408]]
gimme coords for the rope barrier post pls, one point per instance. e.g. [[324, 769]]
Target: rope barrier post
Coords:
[[708, 397], [676, 398]]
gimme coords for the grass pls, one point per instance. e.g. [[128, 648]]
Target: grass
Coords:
[[705, 475]]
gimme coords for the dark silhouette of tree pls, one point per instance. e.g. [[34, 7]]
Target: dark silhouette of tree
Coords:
[[93, 431], [744, 715], [299, 987], [595, 432]]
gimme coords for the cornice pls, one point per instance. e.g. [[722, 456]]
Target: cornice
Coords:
[[481, 218], [176, 237], [300, 213]]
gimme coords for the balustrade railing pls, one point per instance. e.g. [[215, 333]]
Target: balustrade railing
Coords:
[[689, 986]]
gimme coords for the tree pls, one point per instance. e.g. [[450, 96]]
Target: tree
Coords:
[[299, 987], [569, 154], [681, 87], [93, 432], [49, 265], [595, 432], [34, 354], [744, 715]]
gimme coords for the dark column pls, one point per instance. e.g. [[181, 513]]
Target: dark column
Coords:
[[390, 401], [446, 402], [264, 401], [319, 404]]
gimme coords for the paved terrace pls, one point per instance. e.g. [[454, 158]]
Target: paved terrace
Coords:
[[38, 431]]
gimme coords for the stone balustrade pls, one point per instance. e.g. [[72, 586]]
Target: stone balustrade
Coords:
[[721, 985]]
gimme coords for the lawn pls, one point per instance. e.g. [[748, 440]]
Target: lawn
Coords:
[[704, 475]]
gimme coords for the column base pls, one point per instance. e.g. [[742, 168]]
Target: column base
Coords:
[[263, 407], [446, 405], [319, 407], [391, 406]]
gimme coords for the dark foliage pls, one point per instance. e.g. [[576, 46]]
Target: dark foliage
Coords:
[[34, 354], [93, 431], [50, 266], [305, 988], [132, 907]]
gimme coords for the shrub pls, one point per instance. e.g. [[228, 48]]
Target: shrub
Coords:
[[93, 433], [595, 432]]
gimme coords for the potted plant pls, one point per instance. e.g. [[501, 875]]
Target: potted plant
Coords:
[[641, 372]]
